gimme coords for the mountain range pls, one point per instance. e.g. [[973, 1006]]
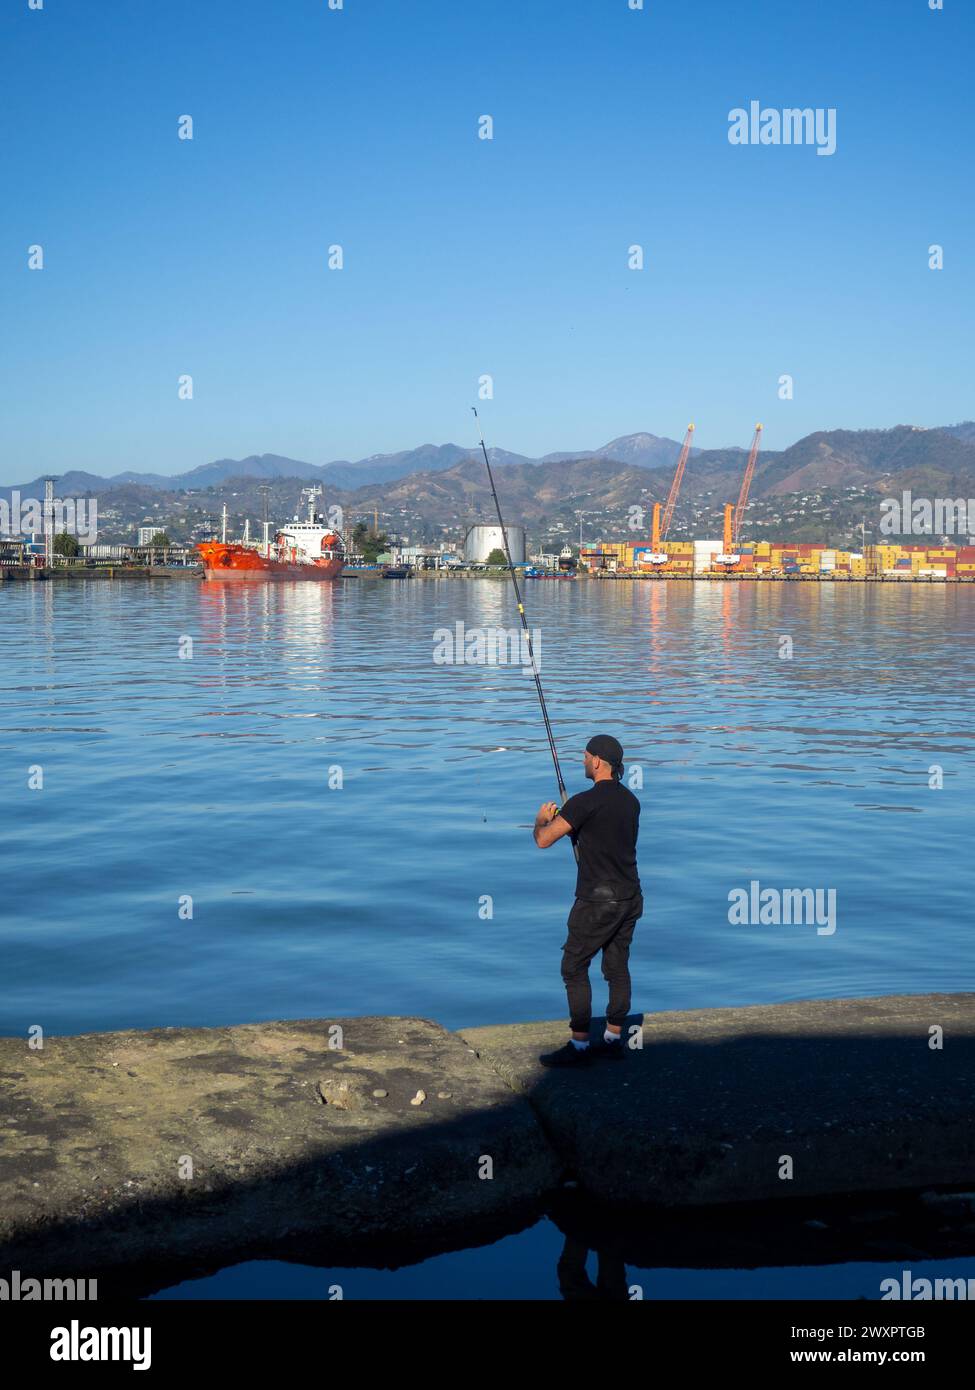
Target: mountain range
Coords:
[[436, 489], [826, 458], [641, 450]]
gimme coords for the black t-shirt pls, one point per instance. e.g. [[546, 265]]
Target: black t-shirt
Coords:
[[605, 821]]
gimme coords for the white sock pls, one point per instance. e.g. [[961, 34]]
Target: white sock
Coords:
[[581, 1046], [611, 1037]]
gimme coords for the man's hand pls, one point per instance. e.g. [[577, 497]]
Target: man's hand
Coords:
[[549, 825]]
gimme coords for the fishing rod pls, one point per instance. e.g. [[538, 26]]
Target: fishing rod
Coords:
[[524, 623]]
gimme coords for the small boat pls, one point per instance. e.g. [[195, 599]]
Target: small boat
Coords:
[[397, 571]]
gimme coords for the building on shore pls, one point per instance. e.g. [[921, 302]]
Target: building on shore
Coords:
[[421, 557], [13, 550]]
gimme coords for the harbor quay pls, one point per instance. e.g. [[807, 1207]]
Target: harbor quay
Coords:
[[643, 576], [362, 1138]]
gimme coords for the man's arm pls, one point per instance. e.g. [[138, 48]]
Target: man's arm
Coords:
[[550, 826]]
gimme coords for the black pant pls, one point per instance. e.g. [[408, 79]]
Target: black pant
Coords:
[[605, 925]]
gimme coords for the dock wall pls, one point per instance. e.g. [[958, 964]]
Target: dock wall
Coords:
[[190, 1148]]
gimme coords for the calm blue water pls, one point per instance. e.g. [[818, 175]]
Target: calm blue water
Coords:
[[209, 777]]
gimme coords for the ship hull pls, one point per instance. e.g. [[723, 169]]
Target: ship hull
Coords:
[[230, 563]]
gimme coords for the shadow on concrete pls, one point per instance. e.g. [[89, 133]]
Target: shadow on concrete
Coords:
[[673, 1158], [821, 1097]]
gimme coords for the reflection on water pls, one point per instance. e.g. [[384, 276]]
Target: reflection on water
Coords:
[[336, 804], [832, 1249]]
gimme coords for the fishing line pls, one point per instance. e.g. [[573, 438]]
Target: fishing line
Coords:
[[524, 623]]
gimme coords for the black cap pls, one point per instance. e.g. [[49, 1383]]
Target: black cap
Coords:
[[606, 747]]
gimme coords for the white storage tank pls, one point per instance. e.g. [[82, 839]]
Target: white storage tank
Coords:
[[704, 553], [482, 539]]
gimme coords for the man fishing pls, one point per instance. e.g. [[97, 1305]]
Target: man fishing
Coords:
[[603, 824]]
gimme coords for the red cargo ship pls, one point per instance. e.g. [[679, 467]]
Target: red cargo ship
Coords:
[[300, 550]]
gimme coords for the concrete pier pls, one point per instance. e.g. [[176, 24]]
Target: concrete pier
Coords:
[[187, 1149], [757, 1104], [214, 1143]]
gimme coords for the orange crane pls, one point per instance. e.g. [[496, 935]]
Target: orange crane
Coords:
[[671, 502], [732, 524]]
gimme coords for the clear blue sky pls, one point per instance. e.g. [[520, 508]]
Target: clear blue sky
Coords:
[[464, 256]]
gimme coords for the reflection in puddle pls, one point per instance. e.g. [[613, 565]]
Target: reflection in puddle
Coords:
[[834, 1249]]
